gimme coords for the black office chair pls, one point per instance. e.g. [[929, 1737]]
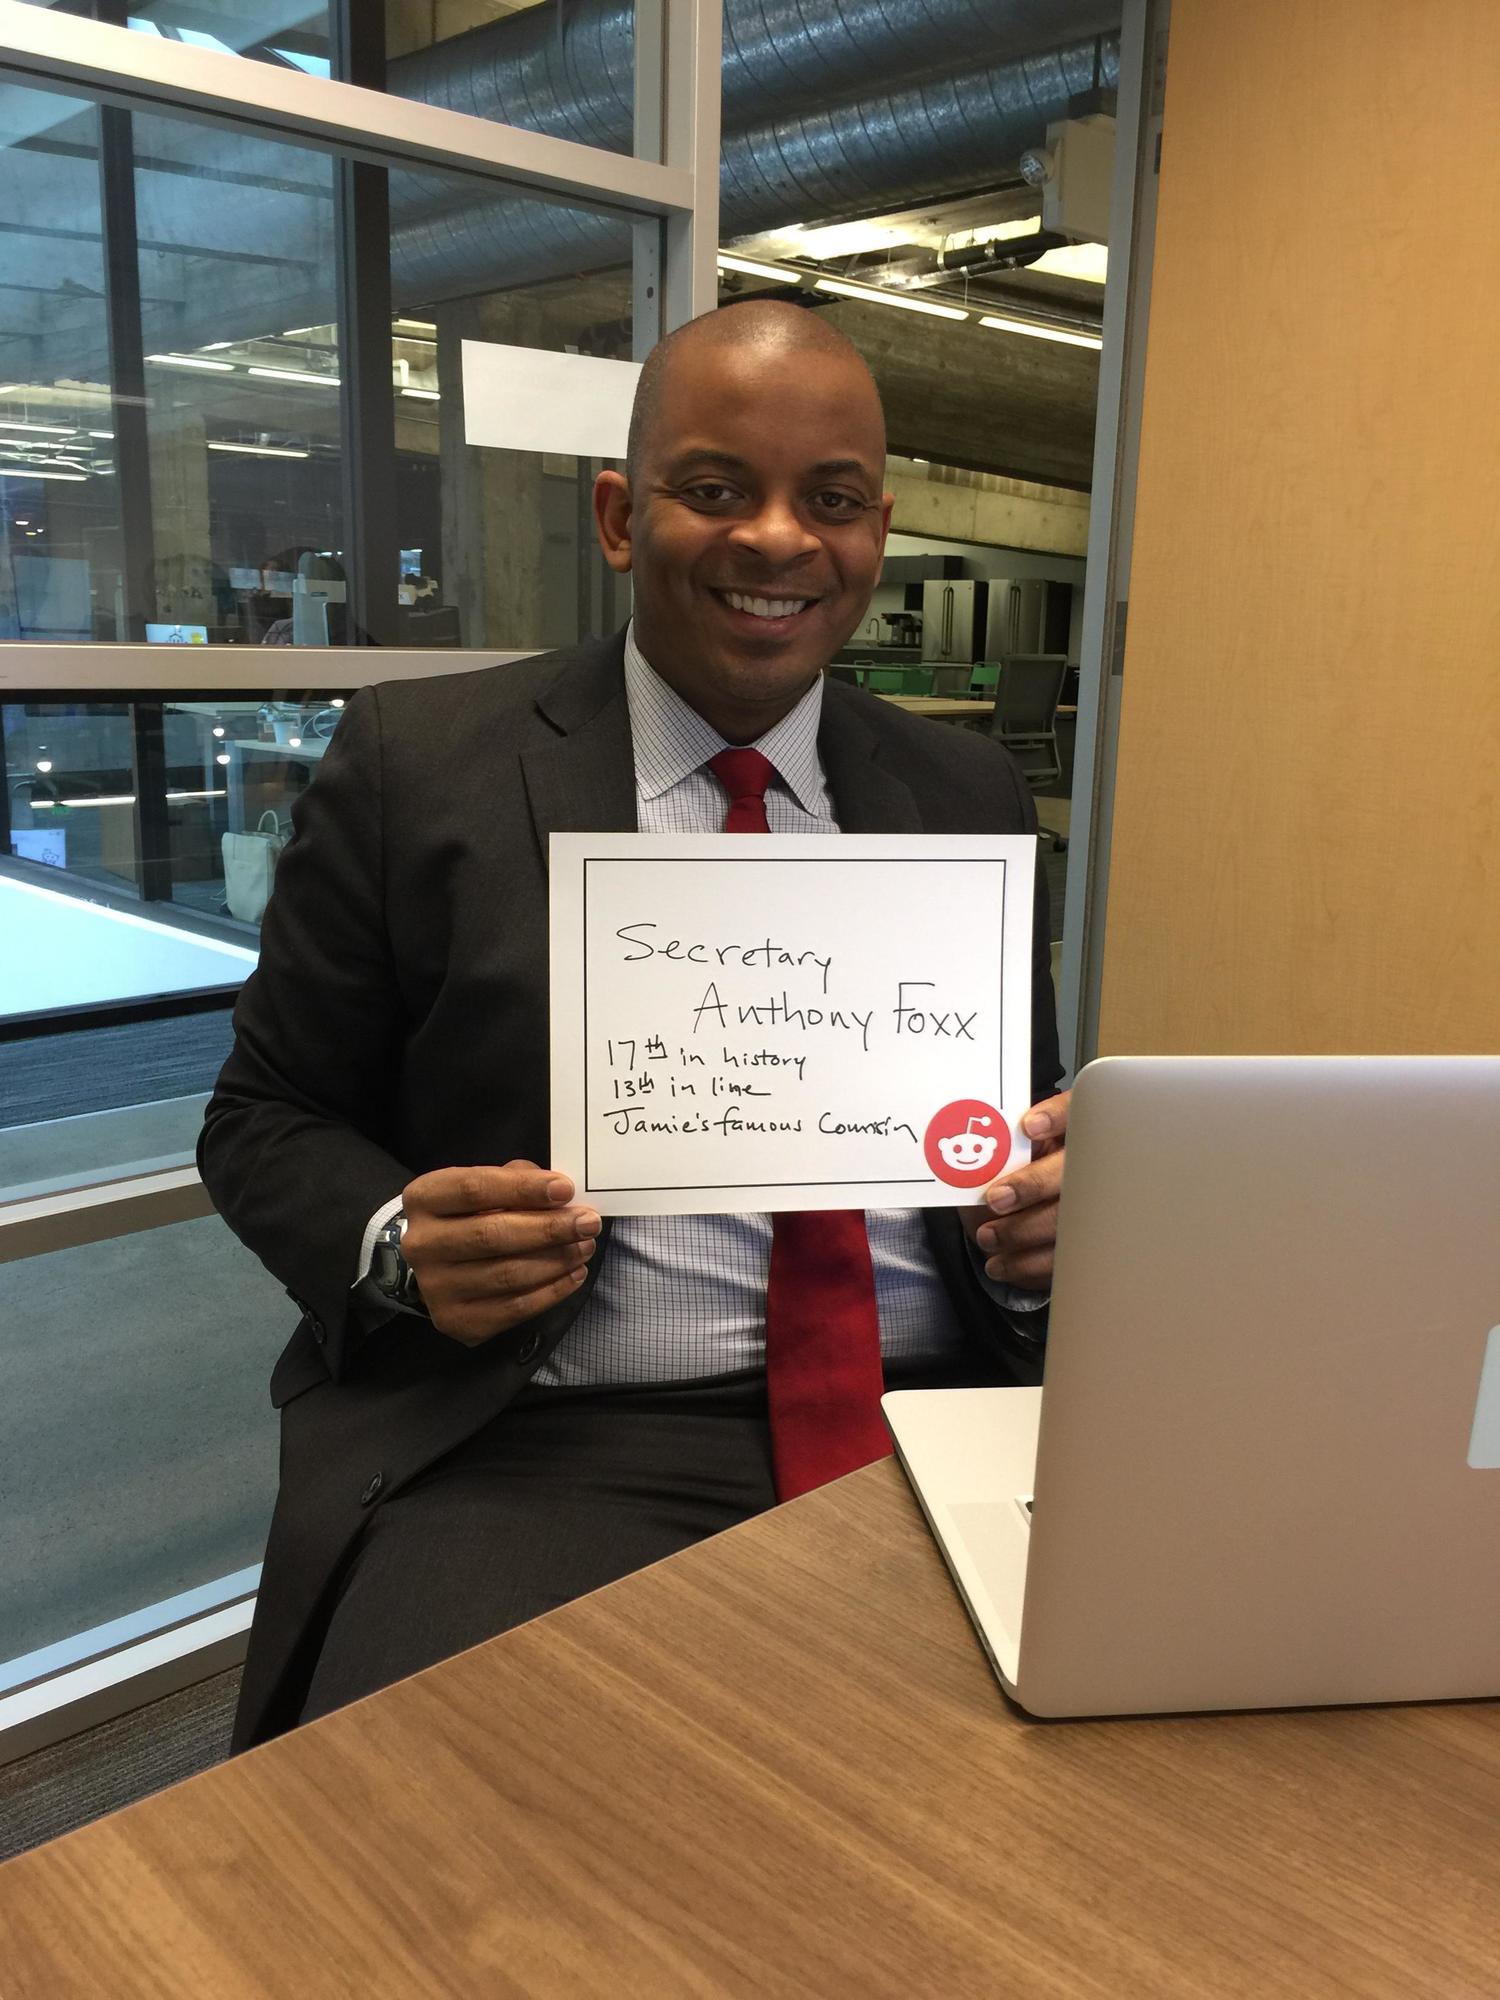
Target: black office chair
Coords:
[[1025, 718]]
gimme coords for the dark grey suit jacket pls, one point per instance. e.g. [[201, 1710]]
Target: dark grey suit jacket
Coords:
[[398, 1022]]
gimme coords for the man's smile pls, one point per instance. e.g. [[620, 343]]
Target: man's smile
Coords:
[[765, 608]]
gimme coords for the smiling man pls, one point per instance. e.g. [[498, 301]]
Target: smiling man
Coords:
[[494, 1401]]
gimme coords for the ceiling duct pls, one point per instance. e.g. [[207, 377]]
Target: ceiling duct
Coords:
[[574, 77], [889, 149]]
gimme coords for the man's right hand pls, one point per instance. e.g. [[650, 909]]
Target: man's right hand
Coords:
[[494, 1246]]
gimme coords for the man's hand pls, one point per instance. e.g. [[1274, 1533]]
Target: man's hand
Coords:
[[494, 1246], [1018, 1230]]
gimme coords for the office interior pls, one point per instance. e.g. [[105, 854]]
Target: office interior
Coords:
[[277, 521]]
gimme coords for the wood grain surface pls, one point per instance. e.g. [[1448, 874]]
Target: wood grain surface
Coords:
[[778, 1764], [1307, 799]]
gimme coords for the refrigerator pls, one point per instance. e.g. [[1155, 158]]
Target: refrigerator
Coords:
[[953, 620], [1027, 616]]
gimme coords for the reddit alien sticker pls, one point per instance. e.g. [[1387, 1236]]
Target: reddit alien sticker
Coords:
[[967, 1143]]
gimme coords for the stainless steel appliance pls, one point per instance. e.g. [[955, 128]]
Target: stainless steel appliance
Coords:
[[1027, 615], [953, 620]]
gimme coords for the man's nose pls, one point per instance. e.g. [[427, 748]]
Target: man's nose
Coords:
[[777, 533]]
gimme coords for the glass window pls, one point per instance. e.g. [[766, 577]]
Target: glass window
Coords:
[[137, 1447], [237, 488], [558, 67]]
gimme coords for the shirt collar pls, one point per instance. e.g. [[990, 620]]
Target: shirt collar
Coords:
[[672, 740]]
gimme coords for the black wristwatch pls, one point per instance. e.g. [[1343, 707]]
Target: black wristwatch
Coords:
[[392, 1276]]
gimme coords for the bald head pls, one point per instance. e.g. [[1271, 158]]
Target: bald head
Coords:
[[764, 328]]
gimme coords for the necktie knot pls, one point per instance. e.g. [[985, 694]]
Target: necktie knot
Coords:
[[744, 773]]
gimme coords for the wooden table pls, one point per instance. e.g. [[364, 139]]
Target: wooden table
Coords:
[[778, 1765], [946, 707]]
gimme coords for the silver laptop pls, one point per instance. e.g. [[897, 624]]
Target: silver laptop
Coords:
[[1265, 1468]]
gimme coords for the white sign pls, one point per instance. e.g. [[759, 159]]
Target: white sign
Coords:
[[784, 1022], [524, 399]]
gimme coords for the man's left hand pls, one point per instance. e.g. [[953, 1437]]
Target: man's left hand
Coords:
[[1017, 1229]]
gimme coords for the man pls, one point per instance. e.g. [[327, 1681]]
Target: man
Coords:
[[493, 1402]]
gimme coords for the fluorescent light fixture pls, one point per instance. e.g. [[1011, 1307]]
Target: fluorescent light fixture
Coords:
[[424, 395], [874, 296], [102, 434], [222, 757], [296, 375], [415, 325], [257, 450], [1088, 262], [213, 346], [11, 389], [192, 361], [1038, 332], [32, 472], [118, 799], [48, 430], [753, 270]]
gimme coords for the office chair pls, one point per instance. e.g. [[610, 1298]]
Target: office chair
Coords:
[[1025, 718]]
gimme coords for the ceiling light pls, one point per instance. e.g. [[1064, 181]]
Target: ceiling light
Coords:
[[32, 472], [424, 395], [218, 729], [44, 765], [49, 430], [415, 325], [102, 434], [191, 361], [1086, 261], [296, 375], [1039, 332], [222, 758], [883, 298], [257, 450], [753, 270], [844, 239]]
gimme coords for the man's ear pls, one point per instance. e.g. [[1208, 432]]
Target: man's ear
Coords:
[[612, 511]]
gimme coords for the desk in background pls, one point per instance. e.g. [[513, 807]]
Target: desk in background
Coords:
[[778, 1763]]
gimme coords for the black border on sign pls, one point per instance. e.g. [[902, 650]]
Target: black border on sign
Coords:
[[789, 861]]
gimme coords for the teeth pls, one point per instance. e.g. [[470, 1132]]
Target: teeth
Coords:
[[767, 607]]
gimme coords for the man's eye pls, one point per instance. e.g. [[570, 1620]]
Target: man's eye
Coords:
[[709, 493], [834, 502]]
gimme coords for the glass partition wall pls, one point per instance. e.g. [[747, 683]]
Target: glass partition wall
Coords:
[[263, 336]]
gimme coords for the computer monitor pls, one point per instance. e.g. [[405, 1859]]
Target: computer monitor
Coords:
[[177, 635]]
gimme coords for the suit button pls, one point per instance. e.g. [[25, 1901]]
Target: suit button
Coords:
[[372, 1489], [527, 1351], [318, 1331]]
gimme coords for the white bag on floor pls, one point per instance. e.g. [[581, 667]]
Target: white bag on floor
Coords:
[[250, 867]]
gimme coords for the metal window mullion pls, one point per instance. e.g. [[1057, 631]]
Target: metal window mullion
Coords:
[[367, 409], [46, 51], [120, 248], [691, 120], [1143, 39]]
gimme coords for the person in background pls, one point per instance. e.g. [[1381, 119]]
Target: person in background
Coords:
[[493, 1400]]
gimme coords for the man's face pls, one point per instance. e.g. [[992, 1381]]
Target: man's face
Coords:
[[756, 527]]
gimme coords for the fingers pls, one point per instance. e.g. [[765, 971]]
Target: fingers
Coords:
[[480, 1320], [510, 1277], [1049, 1119], [476, 1190], [472, 1239], [1028, 1187]]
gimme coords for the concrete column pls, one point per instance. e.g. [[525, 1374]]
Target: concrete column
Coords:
[[179, 505]]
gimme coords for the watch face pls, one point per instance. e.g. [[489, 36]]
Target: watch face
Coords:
[[386, 1265]]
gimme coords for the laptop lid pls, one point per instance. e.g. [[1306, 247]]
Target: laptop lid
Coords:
[[1256, 1483]]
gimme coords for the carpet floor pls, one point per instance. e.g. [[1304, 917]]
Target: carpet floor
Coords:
[[56, 1790]]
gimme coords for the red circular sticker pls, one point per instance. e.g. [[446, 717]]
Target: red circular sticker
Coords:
[[967, 1143]]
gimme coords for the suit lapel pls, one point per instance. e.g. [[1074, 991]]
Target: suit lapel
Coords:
[[867, 797], [581, 777]]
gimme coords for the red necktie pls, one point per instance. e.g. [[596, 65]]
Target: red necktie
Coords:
[[823, 1374]]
